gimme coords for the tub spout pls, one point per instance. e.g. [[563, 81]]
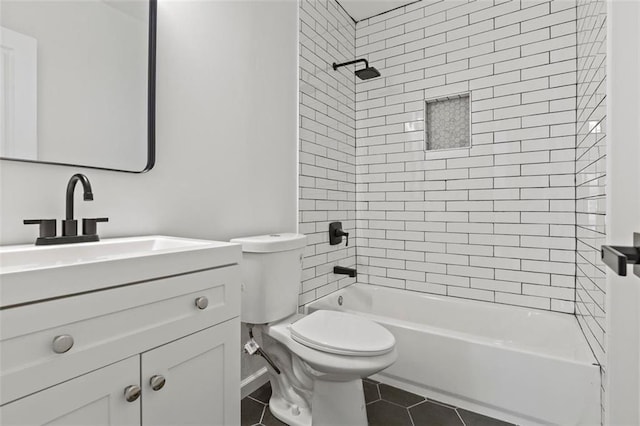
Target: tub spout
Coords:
[[345, 271]]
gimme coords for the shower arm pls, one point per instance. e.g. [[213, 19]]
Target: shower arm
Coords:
[[344, 64]]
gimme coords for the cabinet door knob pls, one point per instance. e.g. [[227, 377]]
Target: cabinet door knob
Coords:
[[202, 302], [157, 382], [131, 393], [62, 343]]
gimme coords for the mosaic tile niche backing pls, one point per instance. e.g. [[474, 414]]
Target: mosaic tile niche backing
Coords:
[[447, 122]]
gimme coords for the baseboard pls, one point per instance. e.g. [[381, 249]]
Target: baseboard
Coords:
[[253, 382]]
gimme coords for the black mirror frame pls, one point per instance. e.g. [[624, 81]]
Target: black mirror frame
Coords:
[[151, 106]]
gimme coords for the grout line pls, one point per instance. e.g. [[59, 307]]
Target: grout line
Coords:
[[413, 423], [400, 405], [256, 400], [460, 417], [418, 403], [442, 404]]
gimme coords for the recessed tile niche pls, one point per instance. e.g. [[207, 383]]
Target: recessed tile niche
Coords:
[[447, 122]]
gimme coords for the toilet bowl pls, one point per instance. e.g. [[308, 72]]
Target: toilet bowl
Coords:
[[321, 357], [322, 366]]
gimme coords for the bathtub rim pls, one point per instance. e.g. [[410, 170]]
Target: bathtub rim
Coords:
[[589, 356]]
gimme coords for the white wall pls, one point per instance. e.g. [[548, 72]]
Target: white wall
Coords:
[[622, 392], [226, 141], [226, 135]]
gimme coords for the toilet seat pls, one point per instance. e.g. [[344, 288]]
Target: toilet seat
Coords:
[[341, 333], [336, 365]]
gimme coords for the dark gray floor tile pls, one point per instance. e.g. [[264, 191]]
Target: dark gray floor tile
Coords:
[[367, 379], [431, 414], [270, 420], [383, 413], [250, 411], [475, 419], [398, 396], [371, 392], [263, 393]]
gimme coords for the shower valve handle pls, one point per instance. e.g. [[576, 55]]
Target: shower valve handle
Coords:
[[336, 233], [341, 233]]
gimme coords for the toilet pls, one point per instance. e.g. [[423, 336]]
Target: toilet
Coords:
[[323, 356]]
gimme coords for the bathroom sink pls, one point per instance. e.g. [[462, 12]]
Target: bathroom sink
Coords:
[[29, 273], [28, 257]]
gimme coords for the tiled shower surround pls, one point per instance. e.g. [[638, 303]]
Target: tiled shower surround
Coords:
[[590, 174], [493, 222], [327, 144]]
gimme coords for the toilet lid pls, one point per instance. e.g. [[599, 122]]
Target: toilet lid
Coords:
[[343, 334]]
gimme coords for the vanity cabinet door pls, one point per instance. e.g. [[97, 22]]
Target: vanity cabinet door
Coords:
[[96, 398], [196, 379]]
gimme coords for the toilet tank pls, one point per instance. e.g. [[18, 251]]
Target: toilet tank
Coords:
[[271, 273]]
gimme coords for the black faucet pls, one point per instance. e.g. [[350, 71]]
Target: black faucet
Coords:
[[345, 271], [69, 224]]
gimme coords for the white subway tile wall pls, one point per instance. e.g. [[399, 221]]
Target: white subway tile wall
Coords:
[[493, 222], [590, 174], [327, 144]]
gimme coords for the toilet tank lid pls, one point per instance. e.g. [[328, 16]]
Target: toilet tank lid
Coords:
[[271, 243]]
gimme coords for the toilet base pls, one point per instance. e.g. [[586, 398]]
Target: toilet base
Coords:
[[286, 412], [333, 403], [339, 403]]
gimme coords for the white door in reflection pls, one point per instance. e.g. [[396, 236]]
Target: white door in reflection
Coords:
[[18, 95]]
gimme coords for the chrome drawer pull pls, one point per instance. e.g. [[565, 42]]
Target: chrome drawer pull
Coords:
[[131, 393], [202, 302], [62, 343], [157, 382]]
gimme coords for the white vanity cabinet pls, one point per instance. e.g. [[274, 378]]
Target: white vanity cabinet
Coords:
[[94, 398], [201, 373], [168, 344], [198, 373]]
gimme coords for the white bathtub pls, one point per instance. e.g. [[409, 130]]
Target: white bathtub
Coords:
[[520, 365]]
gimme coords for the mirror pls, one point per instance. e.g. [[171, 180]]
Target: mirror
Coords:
[[77, 82]]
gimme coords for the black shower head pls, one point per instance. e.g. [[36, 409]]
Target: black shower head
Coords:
[[364, 74], [367, 73]]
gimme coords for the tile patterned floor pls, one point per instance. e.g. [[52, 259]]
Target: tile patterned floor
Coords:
[[386, 406]]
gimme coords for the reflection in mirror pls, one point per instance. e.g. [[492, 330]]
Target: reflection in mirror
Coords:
[[77, 82]]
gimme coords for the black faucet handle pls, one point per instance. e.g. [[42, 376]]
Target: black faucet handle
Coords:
[[90, 227], [341, 233], [336, 233], [47, 226]]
